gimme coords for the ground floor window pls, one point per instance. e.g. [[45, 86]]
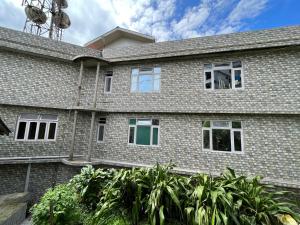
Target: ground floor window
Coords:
[[101, 129], [222, 136], [36, 127], [143, 131]]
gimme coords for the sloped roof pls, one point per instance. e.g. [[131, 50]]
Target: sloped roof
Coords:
[[25, 42], [211, 44], [116, 33]]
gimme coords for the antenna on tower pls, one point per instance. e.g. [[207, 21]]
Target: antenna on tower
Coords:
[[46, 17]]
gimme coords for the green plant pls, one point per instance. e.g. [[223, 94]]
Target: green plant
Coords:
[[64, 204]]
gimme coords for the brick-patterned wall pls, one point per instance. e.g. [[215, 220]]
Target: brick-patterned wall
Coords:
[[271, 145]]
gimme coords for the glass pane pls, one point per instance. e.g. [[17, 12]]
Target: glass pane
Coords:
[[107, 84], [102, 120], [132, 121], [236, 124], [145, 83], [48, 117], [52, 129], [21, 131], [221, 124], [143, 135], [135, 71], [144, 122], [155, 136], [157, 70], [131, 135], [221, 140], [206, 142], [208, 80], [207, 66], [222, 64], [42, 131], [29, 116], [222, 79], [238, 78], [237, 64], [205, 123], [155, 122], [237, 141], [100, 133], [134, 83], [156, 84], [32, 130]]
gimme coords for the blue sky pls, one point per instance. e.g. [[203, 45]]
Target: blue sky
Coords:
[[164, 19]]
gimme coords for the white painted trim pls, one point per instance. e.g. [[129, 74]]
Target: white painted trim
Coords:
[[231, 137], [105, 82], [224, 68], [38, 121], [145, 73]]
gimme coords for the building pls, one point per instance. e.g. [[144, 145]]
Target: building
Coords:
[[123, 100]]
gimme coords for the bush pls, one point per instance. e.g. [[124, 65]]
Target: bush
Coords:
[[66, 209]]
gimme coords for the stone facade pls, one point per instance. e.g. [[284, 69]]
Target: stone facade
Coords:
[[268, 106]]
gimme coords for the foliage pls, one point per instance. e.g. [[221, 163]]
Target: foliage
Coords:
[[66, 209], [157, 196], [90, 183]]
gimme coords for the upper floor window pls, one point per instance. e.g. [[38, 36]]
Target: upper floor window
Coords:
[[101, 129], [145, 79], [143, 131], [36, 127], [223, 75], [108, 82], [222, 136]]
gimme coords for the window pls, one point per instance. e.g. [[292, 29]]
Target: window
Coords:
[[36, 127], [108, 82], [223, 76], [101, 128], [145, 79], [143, 132], [223, 136]]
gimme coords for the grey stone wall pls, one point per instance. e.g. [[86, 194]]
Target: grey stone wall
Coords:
[[270, 79], [271, 145]]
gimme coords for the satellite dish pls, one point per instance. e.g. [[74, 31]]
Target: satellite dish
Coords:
[[35, 14], [61, 20], [62, 4]]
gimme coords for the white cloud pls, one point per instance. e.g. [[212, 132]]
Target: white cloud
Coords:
[[160, 18]]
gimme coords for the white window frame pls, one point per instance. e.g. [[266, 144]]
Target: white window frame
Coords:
[[105, 83], [224, 68], [98, 129], [38, 121], [151, 133], [140, 73], [231, 136]]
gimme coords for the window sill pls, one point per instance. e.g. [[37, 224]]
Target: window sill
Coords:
[[226, 152], [144, 146]]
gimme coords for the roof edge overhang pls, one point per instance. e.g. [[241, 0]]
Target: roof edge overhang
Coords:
[[90, 61]]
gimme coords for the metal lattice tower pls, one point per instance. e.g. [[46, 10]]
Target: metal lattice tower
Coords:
[[46, 17]]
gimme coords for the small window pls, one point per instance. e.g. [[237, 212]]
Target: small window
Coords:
[[36, 127], [225, 136], [223, 75], [145, 79], [108, 82], [143, 131], [101, 129]]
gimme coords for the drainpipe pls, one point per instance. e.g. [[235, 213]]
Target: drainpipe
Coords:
[[93, 114], [27, 177], [76, 112]]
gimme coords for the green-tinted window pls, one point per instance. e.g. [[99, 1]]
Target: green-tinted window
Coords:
[[205, 123], [236, 124], [132, 121], [143, 135], [155, 136]]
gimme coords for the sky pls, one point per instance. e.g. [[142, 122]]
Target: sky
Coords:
[[164, 19]]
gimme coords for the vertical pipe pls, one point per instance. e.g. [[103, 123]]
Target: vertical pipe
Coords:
[[93, 114], [88, 158], [76, 112], [73, 136], [27, 177]]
